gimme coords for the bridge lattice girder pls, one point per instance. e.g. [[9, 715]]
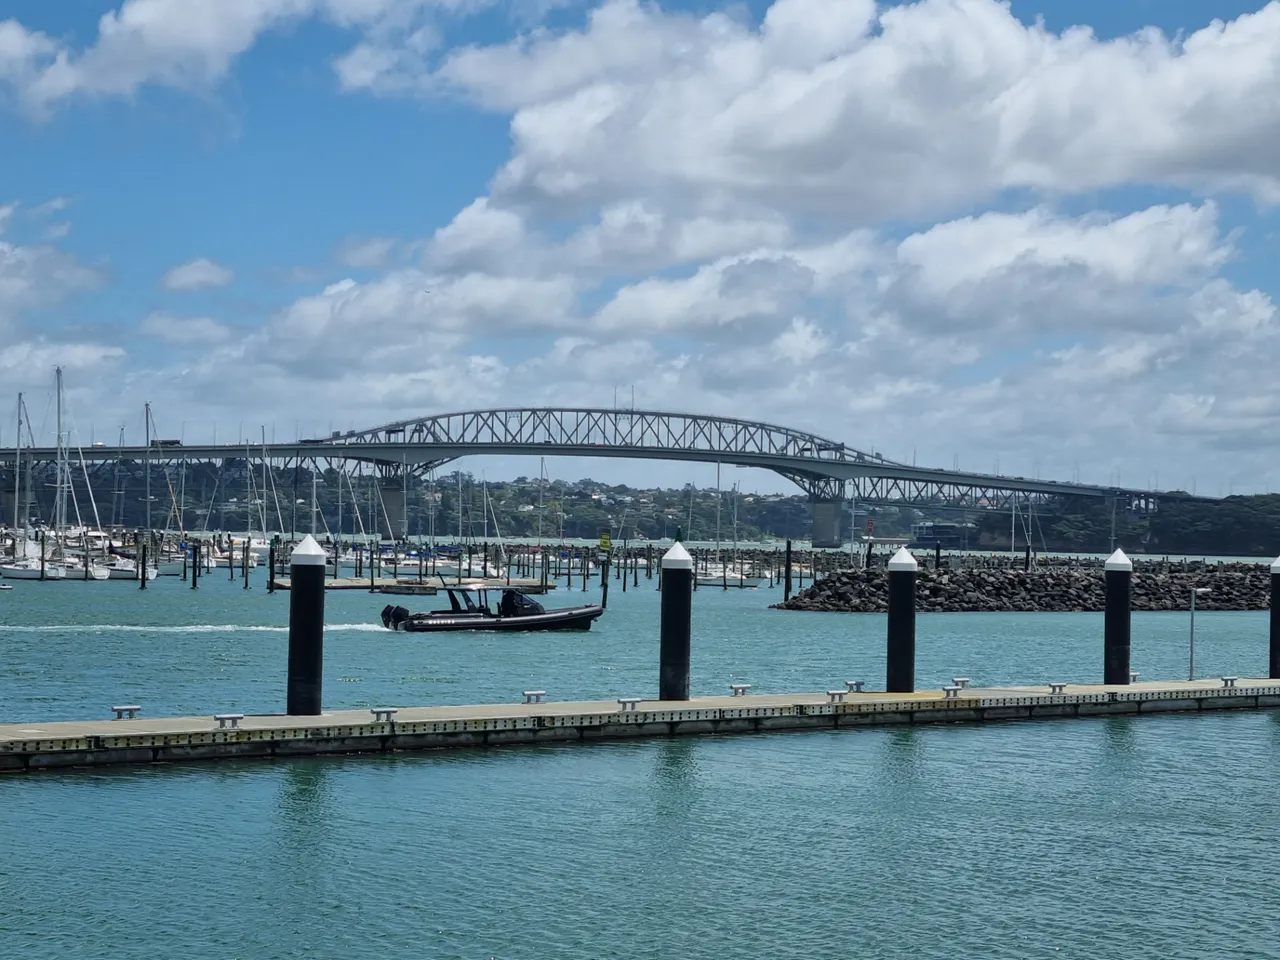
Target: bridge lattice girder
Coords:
[[639, 430], [891, 490]]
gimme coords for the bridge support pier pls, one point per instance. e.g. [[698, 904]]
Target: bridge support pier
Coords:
[[391, 513], [825, 514]]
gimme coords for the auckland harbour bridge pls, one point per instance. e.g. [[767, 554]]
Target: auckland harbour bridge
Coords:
[[831, 473]]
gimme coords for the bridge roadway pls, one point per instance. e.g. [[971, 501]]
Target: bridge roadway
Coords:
[[45, 746], [827, 470]]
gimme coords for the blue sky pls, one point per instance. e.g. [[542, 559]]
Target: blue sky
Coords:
[[906, 332]]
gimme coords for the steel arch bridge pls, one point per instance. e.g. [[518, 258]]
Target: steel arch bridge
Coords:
[[825, 469], [804, 458], [829, 471]]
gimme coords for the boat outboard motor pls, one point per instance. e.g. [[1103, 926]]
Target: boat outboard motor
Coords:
[[392, 617]]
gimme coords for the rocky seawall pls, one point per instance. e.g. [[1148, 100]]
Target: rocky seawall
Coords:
[[1043, 591]]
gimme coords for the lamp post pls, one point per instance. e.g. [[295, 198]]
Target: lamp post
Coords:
[[1191, 657]]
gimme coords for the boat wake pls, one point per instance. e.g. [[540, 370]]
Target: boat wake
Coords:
[[190, 628]]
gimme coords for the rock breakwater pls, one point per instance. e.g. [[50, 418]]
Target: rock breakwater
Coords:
[[1038, 591]]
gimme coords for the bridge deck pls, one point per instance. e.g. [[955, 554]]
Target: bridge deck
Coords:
[[34, 746]]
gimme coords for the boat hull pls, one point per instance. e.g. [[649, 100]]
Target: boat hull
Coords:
[[93, 573], [123, 573], [575, 618], [52, 572]]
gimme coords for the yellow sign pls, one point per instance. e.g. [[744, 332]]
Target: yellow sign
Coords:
[[605, 540]]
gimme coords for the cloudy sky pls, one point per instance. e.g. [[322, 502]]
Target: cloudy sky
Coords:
[[1040, 234]]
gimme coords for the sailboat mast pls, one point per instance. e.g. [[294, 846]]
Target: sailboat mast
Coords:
[[248, 494], [17, 476], [182, 498], [60, 489], [146, 461], [542, 471], [718, 499], [735, 523], [117, 508], [263, 495]]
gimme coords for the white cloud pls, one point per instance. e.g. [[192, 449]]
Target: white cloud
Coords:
[[49, 207], [38, 276], [802, 342], [625, 237], [924, 107], [398, 321], [481, 235], [184, 330], [27, 360], [366, 254], [1036, 272], [199, 274], [191, 46]]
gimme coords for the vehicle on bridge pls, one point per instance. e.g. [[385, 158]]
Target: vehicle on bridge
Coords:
[[469, 610]]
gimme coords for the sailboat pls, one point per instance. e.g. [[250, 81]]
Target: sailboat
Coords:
[[33, 568], [30, 561], [725, 573], [19, 567], [79, 567]]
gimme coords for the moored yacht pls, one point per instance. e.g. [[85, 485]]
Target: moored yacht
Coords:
[[124, 568], [32, 569]]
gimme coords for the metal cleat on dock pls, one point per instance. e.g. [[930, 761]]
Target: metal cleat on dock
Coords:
[[1133, 676], [739, 689], [383, 714], [228, 718], [961, 682], [836, 696], [131, 710], [629, 703], [854, 686], [951, 692], [1057, 687], [534, 696], [1229, 681]]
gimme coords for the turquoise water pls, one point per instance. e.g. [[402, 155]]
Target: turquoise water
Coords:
[[1120, 838], [68, 651]]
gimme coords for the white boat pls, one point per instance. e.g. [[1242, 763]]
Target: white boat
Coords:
[[78, 569], [122, 568], [718, 575], [259, 549], [30, 569], [172, 568]]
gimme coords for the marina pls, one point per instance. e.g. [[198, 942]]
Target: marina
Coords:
[[639, 480], [305, 728]]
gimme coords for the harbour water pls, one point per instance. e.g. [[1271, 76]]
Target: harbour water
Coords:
[[1122, 837]]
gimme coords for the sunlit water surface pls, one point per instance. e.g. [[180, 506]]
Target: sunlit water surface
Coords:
[[1119, 838]]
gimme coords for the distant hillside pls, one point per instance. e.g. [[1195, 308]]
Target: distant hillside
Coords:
[[229, 497]]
